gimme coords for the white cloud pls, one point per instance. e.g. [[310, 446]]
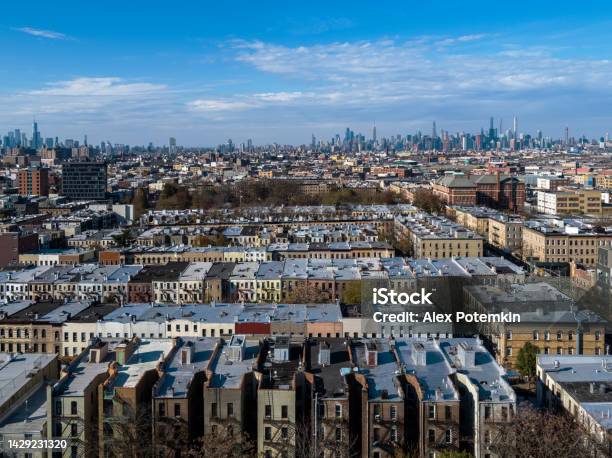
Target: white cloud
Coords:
[[98, 87], [87, 95], [43, 33], [206, 105]]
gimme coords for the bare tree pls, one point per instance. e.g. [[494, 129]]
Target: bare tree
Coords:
[[129, 433], [224, 441], [541, 434]]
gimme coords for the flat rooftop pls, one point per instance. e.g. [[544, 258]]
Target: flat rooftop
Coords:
[[424, 359], [178, 375], [145, 358], [228, 371], [15, 370]]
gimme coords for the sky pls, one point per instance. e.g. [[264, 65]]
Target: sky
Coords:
[[203, 72]]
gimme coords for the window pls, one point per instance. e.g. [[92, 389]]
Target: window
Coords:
[[431, 412], [448, 436], [559, 335], [162, 410], [73, 408], [570, 335], [376, 434], [597, 335], [213, 409], [74, 430], [338, 433], [504, 412], [230, 409], [284, 411], [447, 412], [268, 433], [268, 411], [338, 410], [536, 335], [487, 412], [393, 412], [284, 432], [509, 335], [508, 351], [177, 410], [58, 407], [431, 436]]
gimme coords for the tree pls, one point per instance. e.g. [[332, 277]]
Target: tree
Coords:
[[124, 239], [306, 294], [352, 294], [541, 434], [426, 200], [129, 433], [140, 201], [224, 442], [455, 454], [526, 360]]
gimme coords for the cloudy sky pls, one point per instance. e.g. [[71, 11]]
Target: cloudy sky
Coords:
[[134, 72]]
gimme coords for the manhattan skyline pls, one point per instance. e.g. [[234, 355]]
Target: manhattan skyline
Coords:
[[206, 74]]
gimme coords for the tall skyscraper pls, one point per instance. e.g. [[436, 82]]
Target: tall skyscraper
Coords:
[[36, 143], [566, 135], [514, 126], [374, 133], [491, 130], [172, 144]]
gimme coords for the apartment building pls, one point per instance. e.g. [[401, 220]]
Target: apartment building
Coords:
[[191, 283], [432, 400], [329, 379], [548, 320], [127, 393], [379, 400], [563, 241], [488, 403], [230, 391], [281, 400], [72, 403], [23, 400], [505, 232], [36, 327], [582, 386], [81, 330], [437, 237], [178, 403], [568, 201]]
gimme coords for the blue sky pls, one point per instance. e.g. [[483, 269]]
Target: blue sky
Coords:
[[135, 71]]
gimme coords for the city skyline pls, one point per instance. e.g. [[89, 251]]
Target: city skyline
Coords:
[[279, 76]]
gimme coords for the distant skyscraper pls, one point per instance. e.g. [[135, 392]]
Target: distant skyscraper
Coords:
[[17, 137], [374, 133], [491, 130], [514, 126], [566, 135], [36, 143], [172, 144]]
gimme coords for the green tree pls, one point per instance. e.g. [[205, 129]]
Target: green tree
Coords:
[[526, 360], [124, 239], [352, 294]]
